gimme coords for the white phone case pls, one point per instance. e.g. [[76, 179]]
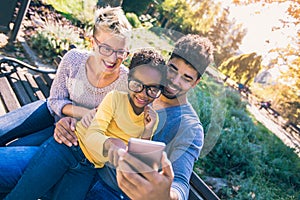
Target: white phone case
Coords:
[[150, 152]]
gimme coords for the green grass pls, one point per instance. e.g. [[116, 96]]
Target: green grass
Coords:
[[255, 163]]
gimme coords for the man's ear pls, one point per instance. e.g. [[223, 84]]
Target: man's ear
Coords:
[[196, 82]]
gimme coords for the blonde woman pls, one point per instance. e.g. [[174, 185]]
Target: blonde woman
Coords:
[[82, 81]]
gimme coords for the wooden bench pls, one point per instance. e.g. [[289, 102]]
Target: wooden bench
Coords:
[[292, 128], [21, 83]]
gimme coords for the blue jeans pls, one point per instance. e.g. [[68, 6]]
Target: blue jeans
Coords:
[[31, 118], [13, 161], [63, 170], [102, 190]]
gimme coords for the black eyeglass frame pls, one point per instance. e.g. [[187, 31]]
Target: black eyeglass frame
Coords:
[[125, 53], [147, 87]]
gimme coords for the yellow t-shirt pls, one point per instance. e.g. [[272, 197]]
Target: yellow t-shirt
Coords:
[[114, 118]]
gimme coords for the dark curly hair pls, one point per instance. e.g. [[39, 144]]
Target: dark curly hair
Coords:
[[148, 57], [195, 50]]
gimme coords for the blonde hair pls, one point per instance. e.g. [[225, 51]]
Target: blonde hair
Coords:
[[111, 19]]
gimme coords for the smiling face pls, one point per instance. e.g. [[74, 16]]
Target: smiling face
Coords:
[[181, 77], [148, 76], [106, 42]]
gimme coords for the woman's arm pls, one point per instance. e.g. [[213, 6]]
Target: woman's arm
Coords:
[[59, 94], [75, 111], [59, 100]]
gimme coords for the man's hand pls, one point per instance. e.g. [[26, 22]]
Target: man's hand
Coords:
[[152, 185], [64, 131]]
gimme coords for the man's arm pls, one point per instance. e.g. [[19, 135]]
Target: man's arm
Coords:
[[151, 185], [64, 131]]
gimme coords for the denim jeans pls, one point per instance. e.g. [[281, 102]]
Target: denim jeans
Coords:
[[31, 118], [102, 190], [13, 161], [54, 165]]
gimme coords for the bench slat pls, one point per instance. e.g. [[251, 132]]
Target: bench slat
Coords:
[[27, 86], [19, 89], [49, 79], [42, 85], [8, 97], [34, 86], [193, 195], [200, 186]]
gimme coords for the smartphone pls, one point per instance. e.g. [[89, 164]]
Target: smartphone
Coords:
[[150, 152]]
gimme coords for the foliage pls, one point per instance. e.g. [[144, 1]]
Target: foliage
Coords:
[[52, 39], [243, 68], [285, 99], [293, 9], [205, 18], [226, 36], [211, 107], [182, 16], [288, 86], [137, 7], [82, 10], [254, 162], [134, 20]]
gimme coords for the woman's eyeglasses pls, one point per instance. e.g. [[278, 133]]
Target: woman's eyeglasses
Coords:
[[151, 90], [108, 51]]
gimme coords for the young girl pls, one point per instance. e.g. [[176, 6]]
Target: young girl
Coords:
[[70, 170]]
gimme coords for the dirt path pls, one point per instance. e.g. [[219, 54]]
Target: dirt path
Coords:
[[288, 139]]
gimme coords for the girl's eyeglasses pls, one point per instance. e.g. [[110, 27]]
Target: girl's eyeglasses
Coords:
[[151, 90]]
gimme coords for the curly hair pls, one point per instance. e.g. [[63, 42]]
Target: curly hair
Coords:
[[195, 50], [111, 19], [148, 57]]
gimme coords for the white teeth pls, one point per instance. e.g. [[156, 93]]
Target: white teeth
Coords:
[[108, 64], [172, 88], [141, 100]]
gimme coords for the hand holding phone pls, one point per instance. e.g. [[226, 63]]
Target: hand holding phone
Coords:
[[150, 152]]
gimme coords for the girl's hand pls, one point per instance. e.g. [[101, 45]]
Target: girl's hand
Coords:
[[87, 118], [111, 147], [149, 117]]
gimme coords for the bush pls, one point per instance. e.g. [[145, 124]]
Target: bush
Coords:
[[134, 20], [255, 163], [52, 39]]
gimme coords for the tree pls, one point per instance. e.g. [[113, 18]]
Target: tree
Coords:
[[242, 68], [289, 84], [137, 7], [288, 102], [226, 36], [206, 18]]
